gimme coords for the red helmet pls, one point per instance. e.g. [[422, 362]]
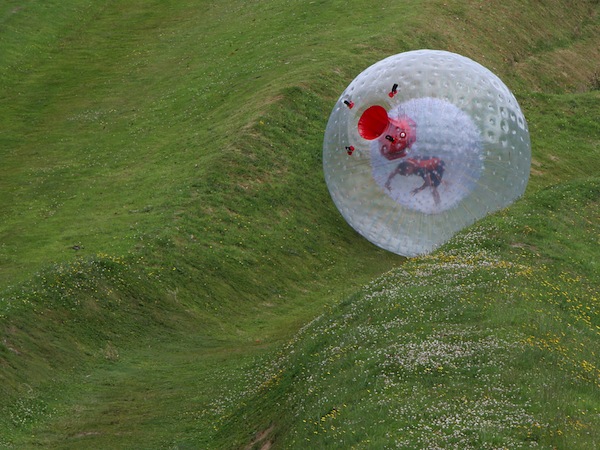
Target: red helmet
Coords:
[[403, 131]]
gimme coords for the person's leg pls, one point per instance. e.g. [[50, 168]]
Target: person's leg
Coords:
[[436, 195]]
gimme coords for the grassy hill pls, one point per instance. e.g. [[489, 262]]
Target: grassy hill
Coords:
[[166, 232]]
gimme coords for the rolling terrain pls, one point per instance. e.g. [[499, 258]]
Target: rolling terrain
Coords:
[[173, 273]]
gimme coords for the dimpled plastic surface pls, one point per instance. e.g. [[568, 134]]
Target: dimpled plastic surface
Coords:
[[471, 141]]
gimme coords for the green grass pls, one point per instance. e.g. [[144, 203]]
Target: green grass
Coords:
[[489, 343], [166, 231]]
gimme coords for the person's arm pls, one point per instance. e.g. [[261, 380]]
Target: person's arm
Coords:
[[395, 172], [426, 182]]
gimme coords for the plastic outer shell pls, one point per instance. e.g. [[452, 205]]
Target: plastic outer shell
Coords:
[[463, 115]]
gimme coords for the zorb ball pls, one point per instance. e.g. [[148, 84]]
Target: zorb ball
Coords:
[[422, 144]]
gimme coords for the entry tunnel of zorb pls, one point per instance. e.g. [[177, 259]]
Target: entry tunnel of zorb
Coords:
[[422, 144]]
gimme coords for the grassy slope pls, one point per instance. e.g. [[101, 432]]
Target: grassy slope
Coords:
[[146, 104], [193, 203], [491, 342]]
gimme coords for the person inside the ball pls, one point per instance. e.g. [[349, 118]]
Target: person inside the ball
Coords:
[[431, 169]]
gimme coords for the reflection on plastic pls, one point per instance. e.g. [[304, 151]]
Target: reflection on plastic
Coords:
[[410, 166]]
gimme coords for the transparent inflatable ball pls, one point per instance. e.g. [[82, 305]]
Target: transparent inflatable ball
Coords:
[[421, 145]]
